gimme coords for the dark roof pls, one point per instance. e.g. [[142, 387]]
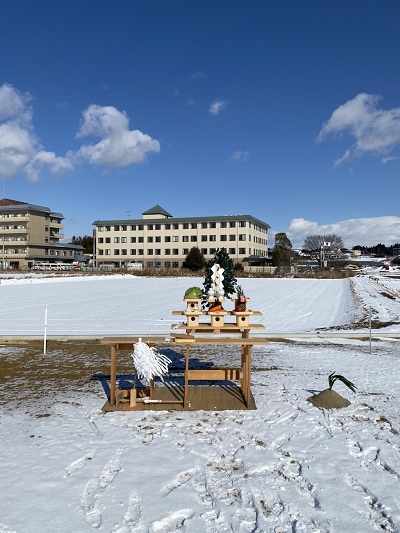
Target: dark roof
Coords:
[[157, 210], [15, 205], [140, 221], [7, 201]]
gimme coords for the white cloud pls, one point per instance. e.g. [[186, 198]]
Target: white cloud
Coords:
[[118, 146], [363, 231], [217, 106], [189, 102], [199, 75], [22, 153], [43, 160], [389, 159], [375, 130], [240, 155]]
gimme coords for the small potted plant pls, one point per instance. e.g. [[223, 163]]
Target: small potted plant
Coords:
[[240, 300]]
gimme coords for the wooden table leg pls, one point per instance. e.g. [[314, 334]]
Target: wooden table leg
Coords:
[[246, 385], [186, 385], [113, 374]]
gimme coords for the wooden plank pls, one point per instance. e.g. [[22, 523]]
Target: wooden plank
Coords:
[[222, 374], [113, 374], [220, 341], [126, 343], [232, 327], [202, 397]]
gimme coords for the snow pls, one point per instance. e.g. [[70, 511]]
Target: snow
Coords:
[[67, 467]]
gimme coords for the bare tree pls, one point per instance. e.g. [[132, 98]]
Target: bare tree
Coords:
[[314, 243]]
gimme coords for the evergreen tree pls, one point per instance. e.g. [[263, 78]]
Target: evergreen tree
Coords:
[[194, 259], [229, 282], [276, 256], [86, 241]]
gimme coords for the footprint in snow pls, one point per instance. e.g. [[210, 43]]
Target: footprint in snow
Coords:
[[77, 465], [171, 522]]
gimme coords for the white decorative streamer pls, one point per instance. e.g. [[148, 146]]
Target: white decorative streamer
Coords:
[[148, 362]]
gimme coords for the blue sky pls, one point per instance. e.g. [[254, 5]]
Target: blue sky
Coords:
[[285, 110]]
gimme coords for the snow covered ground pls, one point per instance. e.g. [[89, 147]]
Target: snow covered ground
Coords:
[[285, 467]]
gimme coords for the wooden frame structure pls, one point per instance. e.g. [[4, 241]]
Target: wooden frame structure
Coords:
[[193, 332]]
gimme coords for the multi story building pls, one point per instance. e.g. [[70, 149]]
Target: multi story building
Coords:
[[30, 234], [159, 240]]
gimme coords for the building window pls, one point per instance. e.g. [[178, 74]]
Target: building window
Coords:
[[158, 264], [223, 238], [204, 225], [213, 225], [133, 228], [203, 238], [193, 225], [150, 251], [175, 226], [108, 228], [107, 251], [100, 240], [232, 237], [157, 226], [140, 239], [124, 251], [175, 238], [149, 226], [101, 252], [133, 239], [167, 239], [213, 250], [157, 251], [133, 251], [108, 240], [242, 251], [140, 227], [100, 228], [232, 224], [158, 239], [175, 251], [222, 224], [213, 238], [193, 238], [123, 228], [167, 226], [116, 239], [116, 251], [185, 225], [149, 239], [150, 264], [242, 223], [204, 251], [140, 251], [175, 264], [232, 251], [167, 251], [167, 264], [116, 228], [185, 238], [242, 237], [185, 251]]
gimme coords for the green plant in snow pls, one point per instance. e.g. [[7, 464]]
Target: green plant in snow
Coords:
[[334, 377]]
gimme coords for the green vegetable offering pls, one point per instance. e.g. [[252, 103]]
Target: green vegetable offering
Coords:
[[194, 292]]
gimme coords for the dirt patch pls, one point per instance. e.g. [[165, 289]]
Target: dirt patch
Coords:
[[328, 399]]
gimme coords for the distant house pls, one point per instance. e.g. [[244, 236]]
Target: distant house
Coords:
[[30, 234], [159, 240]]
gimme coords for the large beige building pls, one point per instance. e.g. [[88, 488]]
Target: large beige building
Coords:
[[159, 240], [31, 234]]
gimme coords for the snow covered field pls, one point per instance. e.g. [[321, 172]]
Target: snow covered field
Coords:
[[285, 467]]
